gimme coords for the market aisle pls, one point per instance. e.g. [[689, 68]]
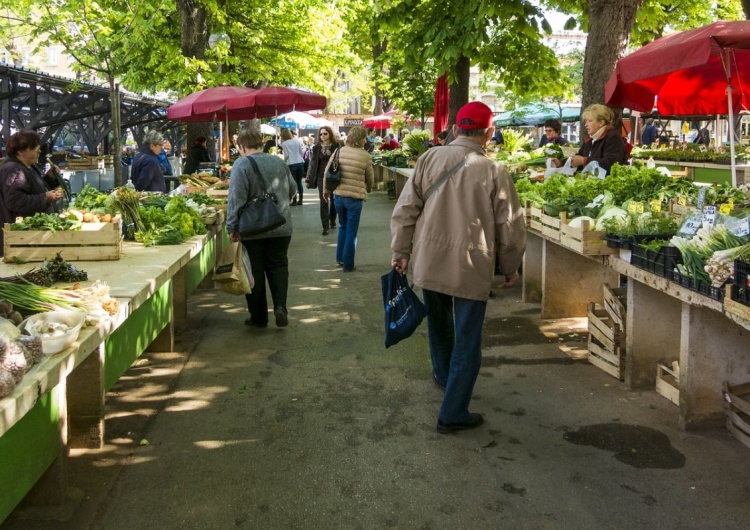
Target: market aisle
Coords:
[[317, 426]]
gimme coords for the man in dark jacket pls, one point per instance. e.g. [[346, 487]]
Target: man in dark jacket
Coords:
[[195, 155]]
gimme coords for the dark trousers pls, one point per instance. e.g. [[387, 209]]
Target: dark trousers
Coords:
[[298, 174], [269, 260], [327, 208]]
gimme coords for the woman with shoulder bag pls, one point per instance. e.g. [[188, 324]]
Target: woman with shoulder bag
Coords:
[[357, 178], [324, 147], [268, 251]]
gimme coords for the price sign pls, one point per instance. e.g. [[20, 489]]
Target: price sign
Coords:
[[596, 200], [709, 215], [692, 225], [725, 208], [742, 228], [656, 205], [635, 207], [682, 200]]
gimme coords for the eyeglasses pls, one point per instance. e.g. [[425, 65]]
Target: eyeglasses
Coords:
[[324, 134]]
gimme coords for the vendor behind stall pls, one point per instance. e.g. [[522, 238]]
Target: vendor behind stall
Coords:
[[604, 145], [22, 189], [146, 172]]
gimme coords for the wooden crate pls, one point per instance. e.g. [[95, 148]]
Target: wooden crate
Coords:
[[583, 240], [668, 383], [219, 194], [606, 342], [737, 409], [735, 308], [94, 242], [614, 304], [81, 163], [534, 218]]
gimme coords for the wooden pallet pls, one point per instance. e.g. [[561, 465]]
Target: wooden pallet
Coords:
[[533, 217], [606, 342], [737, 410], [94, 242], [668, 383]]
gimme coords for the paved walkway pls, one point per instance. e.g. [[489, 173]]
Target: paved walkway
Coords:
[[317, 426]]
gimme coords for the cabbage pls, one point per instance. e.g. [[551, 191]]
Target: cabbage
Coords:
[[610, 212], [578, 221]]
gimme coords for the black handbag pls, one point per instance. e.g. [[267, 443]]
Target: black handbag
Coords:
[[333, 175], [260, 214]]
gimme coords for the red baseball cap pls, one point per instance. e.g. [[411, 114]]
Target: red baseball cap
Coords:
[[474, 115]]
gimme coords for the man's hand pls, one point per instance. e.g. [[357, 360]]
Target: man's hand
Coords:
[[510, 280], [234, 237], [401, 265], [327, 195]]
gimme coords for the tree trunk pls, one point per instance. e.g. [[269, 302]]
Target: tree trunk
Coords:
[[193, 43], [377, 51], [459, 90], [610, 24], [746, 8]]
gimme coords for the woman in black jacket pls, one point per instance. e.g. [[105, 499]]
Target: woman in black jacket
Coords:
[[22, 189], [325, 145]]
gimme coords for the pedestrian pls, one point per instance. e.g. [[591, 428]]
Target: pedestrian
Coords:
[[357, 178], [23, 191], [146, 173], [448, 232], [268, 251], [649, 133], [294, 156], [321, 153], [196, 155]]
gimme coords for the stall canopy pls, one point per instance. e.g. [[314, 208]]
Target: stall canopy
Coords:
[[703, 71], [536, 114], [275, 100], [299, 120], [211, 104]]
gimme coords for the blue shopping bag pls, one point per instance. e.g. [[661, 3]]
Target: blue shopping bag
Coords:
[[404, 311]]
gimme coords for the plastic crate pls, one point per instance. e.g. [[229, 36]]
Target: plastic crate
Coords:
[[741, 279], [699, 286], [661, 262], [741, 295]]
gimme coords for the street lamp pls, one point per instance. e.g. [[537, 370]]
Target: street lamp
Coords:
[[214, 40]]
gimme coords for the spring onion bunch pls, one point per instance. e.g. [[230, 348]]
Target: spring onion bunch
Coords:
[[697, 251]]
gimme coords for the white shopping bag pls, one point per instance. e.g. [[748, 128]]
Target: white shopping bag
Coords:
[[593, 167], [566, 169]]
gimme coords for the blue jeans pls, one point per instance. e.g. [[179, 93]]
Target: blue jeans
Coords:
[[349, 211], [298, 173], [455, 348]]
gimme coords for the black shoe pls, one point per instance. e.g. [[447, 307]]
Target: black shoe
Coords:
[[325, 232], [250, 322], [438, 384], [349, 270], [474, 421], [340, 264], [282, 319], [333, 225]]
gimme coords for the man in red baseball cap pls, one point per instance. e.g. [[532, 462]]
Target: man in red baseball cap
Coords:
[[456, 211]]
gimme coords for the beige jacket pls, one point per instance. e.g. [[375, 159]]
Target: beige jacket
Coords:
[[451, 239], [357, 176]]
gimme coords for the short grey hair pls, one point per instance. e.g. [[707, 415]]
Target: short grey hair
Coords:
[[250, 138], [152, 138]]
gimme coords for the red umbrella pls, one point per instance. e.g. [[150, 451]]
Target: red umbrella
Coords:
[[377, 122], [211, 104], [697, 72], [442, 106], [273, 100]]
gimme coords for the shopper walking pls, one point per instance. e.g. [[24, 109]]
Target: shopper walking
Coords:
[[449, 232], [268, 251], [294, 156], [325, 145], [357, 178], [146, 173]]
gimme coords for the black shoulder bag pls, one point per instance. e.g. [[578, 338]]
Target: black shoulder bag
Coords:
[[333, 175], [260, 214]]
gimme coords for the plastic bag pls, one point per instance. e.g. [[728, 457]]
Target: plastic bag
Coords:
[[567, 169], [404, 311], [593, 167], [239, 278]]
